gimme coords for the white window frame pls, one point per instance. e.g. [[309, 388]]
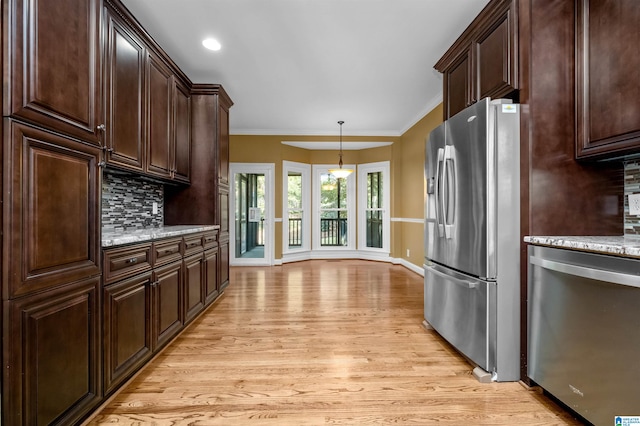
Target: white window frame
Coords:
[[317, 171], [363, 170], [305, 172]]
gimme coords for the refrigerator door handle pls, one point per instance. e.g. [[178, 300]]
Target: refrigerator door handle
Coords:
[[449, 198], [585, 272], [465, 283], [439, 192]]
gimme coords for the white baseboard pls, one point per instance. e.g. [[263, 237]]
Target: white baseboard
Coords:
[[350, 254]]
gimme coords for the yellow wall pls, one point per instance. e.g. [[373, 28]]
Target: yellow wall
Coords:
[[411, 174], [406, 156]]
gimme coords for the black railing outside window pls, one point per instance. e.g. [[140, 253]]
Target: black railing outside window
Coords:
[[295, 232], [333, 232]]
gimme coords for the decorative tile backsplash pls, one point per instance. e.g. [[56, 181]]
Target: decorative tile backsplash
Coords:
[[127, 202], [631, 186]]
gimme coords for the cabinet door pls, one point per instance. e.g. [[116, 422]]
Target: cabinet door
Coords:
[[124, 91], [182, 133], [193, 286], [52, 355], [55, 64], [608, 87], [211, 274], [223, 276], [496, 55], [457, 85], [127, 330], [51, 226], [167, 303], [159, 141], [223, 144]]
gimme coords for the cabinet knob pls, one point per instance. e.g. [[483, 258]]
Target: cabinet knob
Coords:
[[101, 127], [102, 164], [132, 260]]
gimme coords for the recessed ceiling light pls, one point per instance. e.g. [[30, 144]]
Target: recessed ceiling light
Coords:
[[211, 44]]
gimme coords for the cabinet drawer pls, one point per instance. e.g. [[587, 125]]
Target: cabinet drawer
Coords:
[[210, 239], [127, 261], [193, 244], [167, 251]]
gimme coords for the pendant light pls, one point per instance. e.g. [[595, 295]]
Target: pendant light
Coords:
[[340, 172]]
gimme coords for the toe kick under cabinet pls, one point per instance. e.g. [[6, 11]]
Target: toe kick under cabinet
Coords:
[[151, 290]]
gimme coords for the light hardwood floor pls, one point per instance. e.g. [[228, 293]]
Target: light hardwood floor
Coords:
[[320, 342]]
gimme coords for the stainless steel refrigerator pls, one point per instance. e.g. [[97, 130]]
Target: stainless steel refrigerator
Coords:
[[472, 235]]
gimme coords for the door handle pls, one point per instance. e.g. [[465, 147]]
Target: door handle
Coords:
[[438, 192], [449, 175]]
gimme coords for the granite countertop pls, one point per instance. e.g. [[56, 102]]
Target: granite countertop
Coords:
[[120, 237], [623, 245]]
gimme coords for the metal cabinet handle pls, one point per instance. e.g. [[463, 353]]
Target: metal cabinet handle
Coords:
[[101, 127], [585, 272], [132, 260]]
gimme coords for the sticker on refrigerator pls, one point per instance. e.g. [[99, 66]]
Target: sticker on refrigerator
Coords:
[[627, 421], [509, 108]]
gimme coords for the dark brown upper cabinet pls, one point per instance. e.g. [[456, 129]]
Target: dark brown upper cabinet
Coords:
[[607, 82], [483, 61], [53, 54], [181, 132], [52, 223], [124, 89], [148, 104], [458, 90], [159, 141]]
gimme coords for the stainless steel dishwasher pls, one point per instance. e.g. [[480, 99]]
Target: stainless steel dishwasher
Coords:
[[584, 331]]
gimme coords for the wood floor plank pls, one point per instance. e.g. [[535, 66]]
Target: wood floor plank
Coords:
[[320, 343]]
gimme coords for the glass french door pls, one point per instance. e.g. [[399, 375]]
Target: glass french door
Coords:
[[252, 203]]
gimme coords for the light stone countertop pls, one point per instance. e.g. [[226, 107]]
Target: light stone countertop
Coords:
[[120, 237], [623, 245]]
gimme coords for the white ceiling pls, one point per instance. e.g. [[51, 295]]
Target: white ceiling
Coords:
[[296, 67]]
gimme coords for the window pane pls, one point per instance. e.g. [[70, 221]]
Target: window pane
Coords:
[[333, 228], [374, 229], [374, 190], [333, 192], [294, 186]]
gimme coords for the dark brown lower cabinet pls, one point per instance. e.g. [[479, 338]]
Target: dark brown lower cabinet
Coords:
[[167, 303], [224, 263], [127, 331], [211, 275], [52, 355], [150, 291], [193, 286]]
